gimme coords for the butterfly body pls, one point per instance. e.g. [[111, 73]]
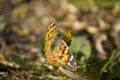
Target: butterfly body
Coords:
[[56, 50]]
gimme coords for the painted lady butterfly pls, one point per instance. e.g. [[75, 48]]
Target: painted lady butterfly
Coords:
[[56, 50]]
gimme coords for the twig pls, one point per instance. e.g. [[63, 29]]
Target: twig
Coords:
[[71, 74]]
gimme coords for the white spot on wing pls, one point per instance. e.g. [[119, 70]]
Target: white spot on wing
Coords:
[[71, 58], [68, 63], [71, 65], [52, 24], [75, 63]]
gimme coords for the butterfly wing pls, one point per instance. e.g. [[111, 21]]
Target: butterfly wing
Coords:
[[61, 55], [67, 57]]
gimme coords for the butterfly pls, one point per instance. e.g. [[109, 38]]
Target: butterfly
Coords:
[[56, 50]]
